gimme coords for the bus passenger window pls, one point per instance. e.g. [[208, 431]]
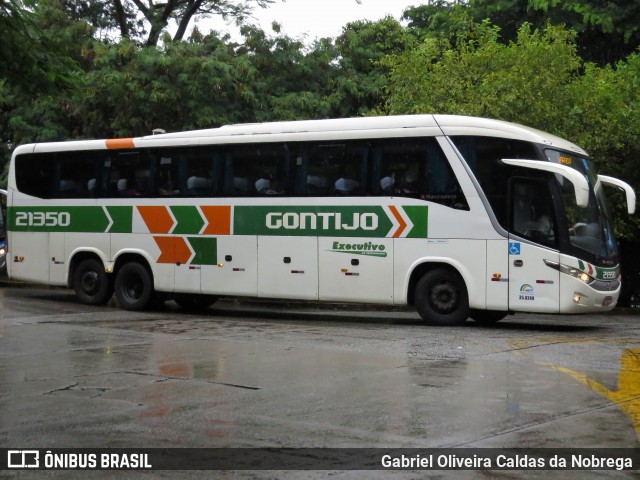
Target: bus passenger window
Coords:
[[59, 175], [201, 172], [166, 177], [257, 170], [483, 156], [187, 171], [35, 174], [415, 168], [77, 174], [129, 174], [334, 169]]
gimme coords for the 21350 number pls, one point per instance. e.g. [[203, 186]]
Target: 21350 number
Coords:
[[43, 219]]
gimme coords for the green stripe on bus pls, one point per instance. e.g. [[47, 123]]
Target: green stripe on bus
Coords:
[[419, 215], [206, 250], [189, 219], [122, 218]]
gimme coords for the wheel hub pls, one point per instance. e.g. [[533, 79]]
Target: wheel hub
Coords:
[[90, 283], [444, 297]]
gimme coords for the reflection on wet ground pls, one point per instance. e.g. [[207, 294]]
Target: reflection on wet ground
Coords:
[[248, 375]]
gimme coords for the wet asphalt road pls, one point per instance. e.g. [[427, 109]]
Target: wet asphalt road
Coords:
[[246, 374]]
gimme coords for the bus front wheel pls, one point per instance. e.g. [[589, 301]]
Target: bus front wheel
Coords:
[[441, 298], [134, 286], [92, 284]]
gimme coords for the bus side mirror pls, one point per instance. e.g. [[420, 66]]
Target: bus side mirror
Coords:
[[579, 182], [628, 190]]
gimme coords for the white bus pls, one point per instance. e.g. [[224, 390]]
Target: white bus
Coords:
[[459, 216]]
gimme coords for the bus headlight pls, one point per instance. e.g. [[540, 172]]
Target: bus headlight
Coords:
[[572, 271], [3, 251]]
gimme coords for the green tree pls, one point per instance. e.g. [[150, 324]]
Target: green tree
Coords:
[[131, 90], [361, 84], [523, 81], [608, 30], [441, 19], [32, 57], [291, 82]]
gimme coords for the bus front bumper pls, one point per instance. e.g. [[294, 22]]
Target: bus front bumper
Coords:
[[579, 297]]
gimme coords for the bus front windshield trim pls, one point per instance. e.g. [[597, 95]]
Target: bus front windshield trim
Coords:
[[590, 229]]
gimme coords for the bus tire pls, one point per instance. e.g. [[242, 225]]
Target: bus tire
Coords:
[[92, 284], [195, 302], [441, 298], [134, 286], [487, 317]]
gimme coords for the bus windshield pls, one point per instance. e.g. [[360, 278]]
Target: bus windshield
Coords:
[[590, 228]]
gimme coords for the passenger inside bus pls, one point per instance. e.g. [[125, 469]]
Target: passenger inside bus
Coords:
[[347, 186]]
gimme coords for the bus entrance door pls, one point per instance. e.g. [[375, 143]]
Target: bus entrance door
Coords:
[[533, 286]]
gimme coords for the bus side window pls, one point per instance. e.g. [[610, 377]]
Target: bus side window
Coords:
[[483, 155], [166, 178], [77, 174], [200, 172], [397, 168], [257, 170], [415, 168], [441, 183], [336, 169], [129, 174], [35, 174]]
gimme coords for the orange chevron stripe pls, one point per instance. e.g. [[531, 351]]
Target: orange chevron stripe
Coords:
[[157, 219], [219, 220], [182, 252], [173, 250], [403, 224], [165, 244]]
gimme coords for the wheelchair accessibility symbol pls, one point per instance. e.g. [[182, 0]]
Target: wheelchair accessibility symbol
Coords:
[[514, 248]]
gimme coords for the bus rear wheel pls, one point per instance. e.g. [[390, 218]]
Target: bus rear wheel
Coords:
[[92, 284], [441, 298], [134, 286]]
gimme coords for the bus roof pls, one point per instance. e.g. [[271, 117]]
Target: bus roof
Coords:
[[345, 128]]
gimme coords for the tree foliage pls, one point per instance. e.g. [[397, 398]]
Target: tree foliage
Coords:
[[607, 30]]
